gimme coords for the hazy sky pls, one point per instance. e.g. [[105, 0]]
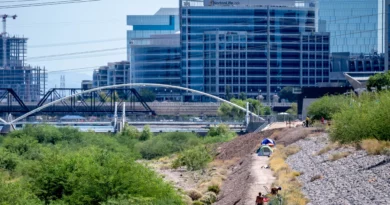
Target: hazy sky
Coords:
[[50, 28]]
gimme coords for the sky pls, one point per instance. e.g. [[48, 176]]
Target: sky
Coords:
[[78, 27]]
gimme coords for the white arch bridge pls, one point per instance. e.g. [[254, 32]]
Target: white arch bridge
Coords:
[[131, 85]]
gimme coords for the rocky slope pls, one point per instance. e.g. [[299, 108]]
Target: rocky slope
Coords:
[[357, 178]]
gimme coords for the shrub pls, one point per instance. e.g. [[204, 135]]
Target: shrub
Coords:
[[167, 143], [222, 129], [198, 203], [16, 192], [209, 198], [365, 117], [214, 188], [8, 161], [80, 168], [375, 147], [194, 195], [326, 107], [194, 159], [146, 133], [131, 132]]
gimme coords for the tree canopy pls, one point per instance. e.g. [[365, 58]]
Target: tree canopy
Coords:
[[378, 81]]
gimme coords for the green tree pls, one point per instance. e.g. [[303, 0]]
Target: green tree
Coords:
[[293, 110], [287, 93], [148, 95], [326, 107], [243, 96], [228, 94], [146, 133], [378, 81]]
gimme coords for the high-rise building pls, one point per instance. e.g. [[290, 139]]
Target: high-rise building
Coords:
[[157, 60], [113, 74], [355, 26], [251, 46], [165, 21]]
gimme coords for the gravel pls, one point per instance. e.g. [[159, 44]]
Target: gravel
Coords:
[[351, 180]]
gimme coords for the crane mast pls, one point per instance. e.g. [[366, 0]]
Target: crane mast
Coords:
[[4, 36]]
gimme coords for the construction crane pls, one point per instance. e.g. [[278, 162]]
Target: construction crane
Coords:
[[4, 35]]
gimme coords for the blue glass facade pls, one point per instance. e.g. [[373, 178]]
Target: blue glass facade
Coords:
[[157, 60], [165, 21], [234, 47], [356, 26]]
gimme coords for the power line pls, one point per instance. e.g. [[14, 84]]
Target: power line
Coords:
[[17, 1], [72, 69], [45, 4], [78, 57], [77, 53], [76, 43]]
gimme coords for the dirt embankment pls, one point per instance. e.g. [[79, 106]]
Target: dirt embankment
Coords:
[[234, 188]]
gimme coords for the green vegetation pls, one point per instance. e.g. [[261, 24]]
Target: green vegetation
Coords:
[[378, 81], [327, 106], [46, 165], [194, 159], [287, 93], [364, 117], [355, 118], [293, 110], [226, 110]]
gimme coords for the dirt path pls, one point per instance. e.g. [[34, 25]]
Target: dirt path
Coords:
[[261, 176]]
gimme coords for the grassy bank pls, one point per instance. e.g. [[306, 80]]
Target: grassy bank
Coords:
[[286, 177]]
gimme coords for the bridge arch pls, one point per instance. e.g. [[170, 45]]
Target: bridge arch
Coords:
[[130, 85]]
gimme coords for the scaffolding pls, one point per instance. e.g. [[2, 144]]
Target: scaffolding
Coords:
[[28, 82], [14, 54]]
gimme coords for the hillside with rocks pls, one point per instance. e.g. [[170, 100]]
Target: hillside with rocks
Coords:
[[341, 175]]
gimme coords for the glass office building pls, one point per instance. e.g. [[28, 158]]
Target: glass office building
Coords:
[[356, 26], [157, 60], [165, 21], [247, 47]]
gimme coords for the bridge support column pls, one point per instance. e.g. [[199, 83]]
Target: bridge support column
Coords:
[[116, 117], [123, 116]]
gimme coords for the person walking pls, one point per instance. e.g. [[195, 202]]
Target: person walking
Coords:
[[260, 199], [322, 120]]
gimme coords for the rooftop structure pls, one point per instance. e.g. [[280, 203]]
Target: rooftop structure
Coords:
[[113, 74], [164, 21]]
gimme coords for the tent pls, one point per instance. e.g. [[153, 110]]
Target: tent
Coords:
[[264, 151], [268, 141]]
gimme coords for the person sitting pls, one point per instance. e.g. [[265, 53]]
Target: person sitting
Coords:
[[259, 199]]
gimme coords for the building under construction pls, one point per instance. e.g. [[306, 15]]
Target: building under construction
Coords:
[[28, 82]]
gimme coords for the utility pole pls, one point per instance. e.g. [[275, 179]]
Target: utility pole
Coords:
[[4, 35]]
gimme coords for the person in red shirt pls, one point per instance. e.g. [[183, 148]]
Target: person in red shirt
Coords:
[[260, 199]]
